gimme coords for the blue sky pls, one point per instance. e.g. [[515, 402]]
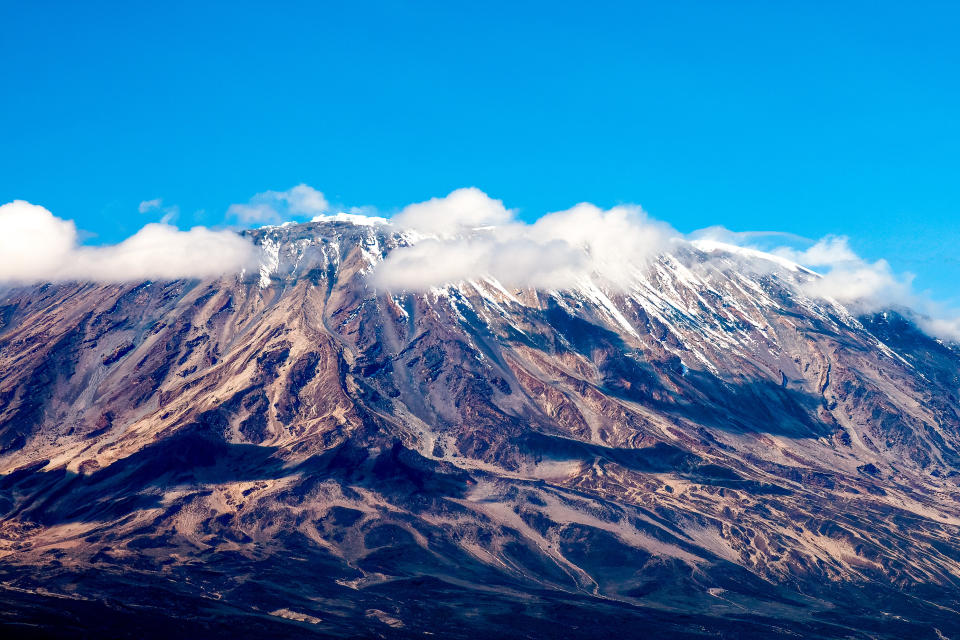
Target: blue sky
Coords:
[[811, 118]]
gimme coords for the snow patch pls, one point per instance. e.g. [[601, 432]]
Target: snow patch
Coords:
[[351, 218]]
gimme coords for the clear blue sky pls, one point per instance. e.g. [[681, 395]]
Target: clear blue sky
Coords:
[[807, 117]]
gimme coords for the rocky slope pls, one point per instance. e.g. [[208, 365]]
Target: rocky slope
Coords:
[[708, 454]]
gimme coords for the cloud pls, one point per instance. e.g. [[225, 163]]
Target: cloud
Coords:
[[461, 236], [463, 209], [869, 287], [33, 242], [37, 246], [150, 205], [616, 241], [303, 199], [849, 279], [940, 322], [856, 283], [828, 251], [514, 262], [169, 214], [468, 235], [863, 286], [250, 214], [742, 238], [271, 207]]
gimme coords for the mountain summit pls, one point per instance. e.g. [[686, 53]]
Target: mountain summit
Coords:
[[700, 449]]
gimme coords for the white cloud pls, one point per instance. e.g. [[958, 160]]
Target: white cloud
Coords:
[[303, 199], [272, 207], [163, 252], [719, 233], [251, 214], [169, 213], [34, 243], [615, 241], [470, 235], [828, 251], [150, 205], [849, 279], [858, 284], [36, 246], [869, 287], [862, 286], [940, 322], [517, 261], [463, 209]]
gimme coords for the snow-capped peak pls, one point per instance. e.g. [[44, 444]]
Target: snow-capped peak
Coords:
[[351, 218]]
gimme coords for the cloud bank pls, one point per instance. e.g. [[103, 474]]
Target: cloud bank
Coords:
[[468, 234], [37, 246], [461, 236], [850, 280], [868, 287]]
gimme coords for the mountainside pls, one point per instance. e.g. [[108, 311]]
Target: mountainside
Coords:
[[293, 452]]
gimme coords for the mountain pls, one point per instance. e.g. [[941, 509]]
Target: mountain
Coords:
[[292, 452]]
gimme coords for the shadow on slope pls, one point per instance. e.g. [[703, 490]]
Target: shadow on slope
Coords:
[[194, 458]]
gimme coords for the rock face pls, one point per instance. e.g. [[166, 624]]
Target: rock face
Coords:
[[294, 453]]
